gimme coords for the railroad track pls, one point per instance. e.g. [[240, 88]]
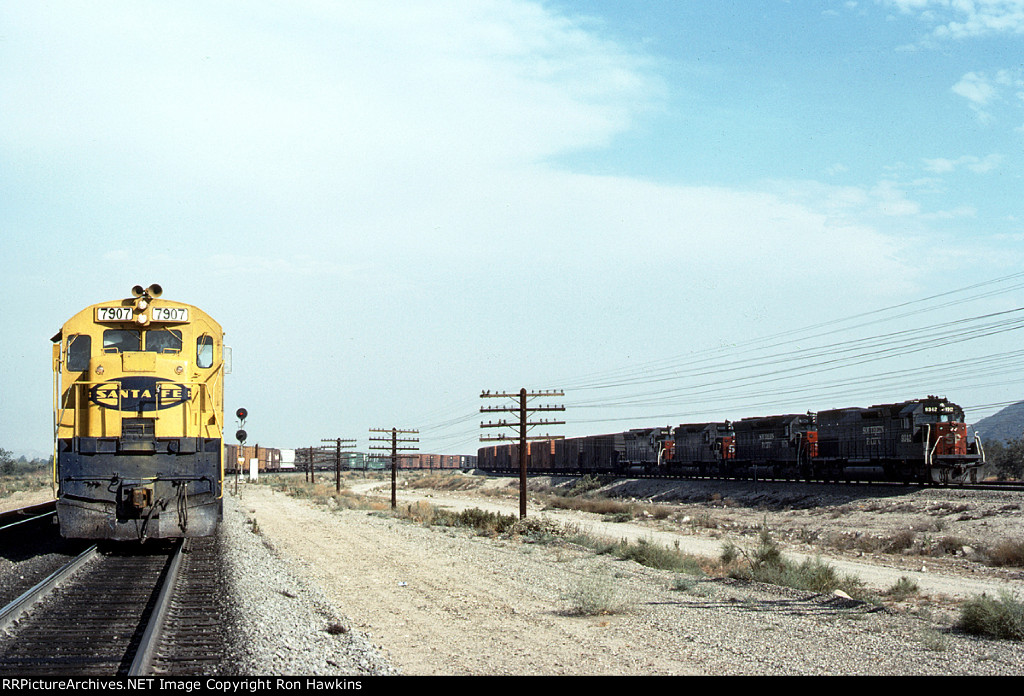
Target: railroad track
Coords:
[[32, 514], [124, 611], [983, 486]]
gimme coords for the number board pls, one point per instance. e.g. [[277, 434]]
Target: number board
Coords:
[[165, 314], [114, 314], [170, 314]]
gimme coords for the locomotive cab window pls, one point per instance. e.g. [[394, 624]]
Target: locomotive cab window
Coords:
[[121, 340], [204, 352], [163, 341], [79, 352]]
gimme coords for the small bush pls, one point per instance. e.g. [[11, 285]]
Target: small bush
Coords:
[[994, 618], [481, 520], [1007, 553], [595, 596], [585, 484], [767, 564], [900, 542], [902, 589], [655, 556]]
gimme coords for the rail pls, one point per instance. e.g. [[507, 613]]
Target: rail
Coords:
[[19, 606], [146, 651], [25, 515]]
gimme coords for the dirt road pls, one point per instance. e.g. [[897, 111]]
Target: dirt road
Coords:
[[443, 601]]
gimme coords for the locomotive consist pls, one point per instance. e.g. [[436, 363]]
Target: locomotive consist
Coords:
[[921, 440], [138, 413]]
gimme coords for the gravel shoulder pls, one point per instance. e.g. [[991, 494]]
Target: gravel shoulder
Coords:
[[443, 601]]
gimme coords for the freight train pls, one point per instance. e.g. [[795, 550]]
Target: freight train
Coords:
[[921, 440], [138, 387]]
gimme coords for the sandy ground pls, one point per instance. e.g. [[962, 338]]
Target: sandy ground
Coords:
[[804, 521], [443, 601]]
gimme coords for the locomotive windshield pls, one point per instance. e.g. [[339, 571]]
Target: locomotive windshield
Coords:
[[163, 341], [121, 340], [129, 340]]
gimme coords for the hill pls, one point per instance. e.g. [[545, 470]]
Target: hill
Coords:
[[1007, 424]]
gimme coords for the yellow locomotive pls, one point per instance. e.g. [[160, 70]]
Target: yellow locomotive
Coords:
[[138, 390]]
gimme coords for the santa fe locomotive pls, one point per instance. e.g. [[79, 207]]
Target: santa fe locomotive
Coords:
[[138, 413], [921, 440]]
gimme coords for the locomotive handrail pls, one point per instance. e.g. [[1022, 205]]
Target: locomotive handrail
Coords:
[[977, 439]]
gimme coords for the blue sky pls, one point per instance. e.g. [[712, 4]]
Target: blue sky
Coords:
[[393, 206]]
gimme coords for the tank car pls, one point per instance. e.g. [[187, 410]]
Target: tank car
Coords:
[[138, 420], [702, 449], [922, 440]]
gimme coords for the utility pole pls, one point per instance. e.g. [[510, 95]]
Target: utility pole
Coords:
[[349, 443], [524, 425], [396, 446]]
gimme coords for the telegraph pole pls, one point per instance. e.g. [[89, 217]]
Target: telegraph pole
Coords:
[[524, 425], [348, 444], [396, 446]]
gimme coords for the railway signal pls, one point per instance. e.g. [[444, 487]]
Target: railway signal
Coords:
[[524, 424], [241, 436]]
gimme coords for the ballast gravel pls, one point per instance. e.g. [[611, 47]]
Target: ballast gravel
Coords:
[[417, 600], [279, 624]]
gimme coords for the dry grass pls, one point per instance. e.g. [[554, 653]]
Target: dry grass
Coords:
[[441, 481], [1007, 553], [25, 480]]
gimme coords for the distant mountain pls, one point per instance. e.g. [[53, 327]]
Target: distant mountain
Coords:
[[1007, 424]]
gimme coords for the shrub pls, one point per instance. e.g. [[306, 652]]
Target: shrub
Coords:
[[901, 541], [594, 596], [481, 520], [585, 484], [902, 589], [1007, 553], [767, 564], [995, 618], [654, 556]]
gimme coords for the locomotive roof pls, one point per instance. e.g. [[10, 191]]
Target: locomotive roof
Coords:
[[902, 407], [130, 301]]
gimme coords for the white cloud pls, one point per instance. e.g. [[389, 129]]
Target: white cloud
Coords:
[[959, 19], [978, 165], [983, 91], [458, 82]]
